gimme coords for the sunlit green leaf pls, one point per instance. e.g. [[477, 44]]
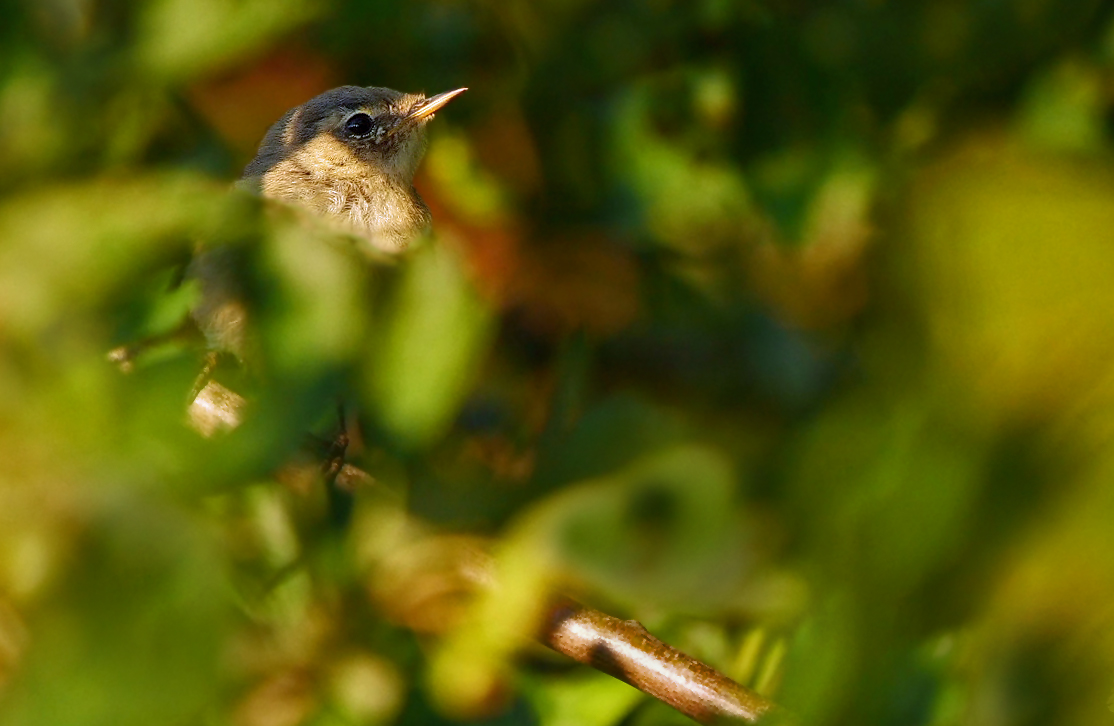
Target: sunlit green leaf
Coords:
[[182, 38], [426, 350]]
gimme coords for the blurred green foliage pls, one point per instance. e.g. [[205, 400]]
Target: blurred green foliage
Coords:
[[784, 327]]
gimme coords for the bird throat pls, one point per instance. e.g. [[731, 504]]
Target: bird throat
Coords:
[[388, 214], [380, 208]]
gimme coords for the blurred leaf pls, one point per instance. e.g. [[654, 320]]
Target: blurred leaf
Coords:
[[316, 303], [906, 480], [1015, 253], [182, 38], [1043, 648], [426, 349], [824, 659], [610, 435], [820, 281], [662, 531], [469, 674], [366, 689], [693, 201], [160, 307], [28, 141], [588, 699], [1065, 108], [474, 193], [144, 612], [67, 248]]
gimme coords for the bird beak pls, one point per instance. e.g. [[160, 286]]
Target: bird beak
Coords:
[[426, 108]]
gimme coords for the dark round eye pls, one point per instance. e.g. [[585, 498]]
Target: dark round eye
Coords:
[[358, 124]]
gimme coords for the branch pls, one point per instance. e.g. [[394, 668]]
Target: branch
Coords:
[[626, 650]]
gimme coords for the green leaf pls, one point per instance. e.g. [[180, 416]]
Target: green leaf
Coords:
[[425, 351]]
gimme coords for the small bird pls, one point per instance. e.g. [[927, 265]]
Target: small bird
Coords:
[[349, 156]]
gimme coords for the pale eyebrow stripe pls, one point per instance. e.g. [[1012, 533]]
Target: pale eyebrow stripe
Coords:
[[288, 132]]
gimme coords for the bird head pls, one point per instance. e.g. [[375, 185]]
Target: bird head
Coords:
[[352, 132], [349, 155]]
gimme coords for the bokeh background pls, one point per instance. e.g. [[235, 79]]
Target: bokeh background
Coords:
[[784, 326]]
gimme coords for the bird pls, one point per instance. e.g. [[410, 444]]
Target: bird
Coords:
[[348, 156]]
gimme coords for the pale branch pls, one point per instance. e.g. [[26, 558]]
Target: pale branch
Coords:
[[626, 650]]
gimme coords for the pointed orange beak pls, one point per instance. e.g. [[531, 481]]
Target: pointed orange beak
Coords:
[[426, 108]]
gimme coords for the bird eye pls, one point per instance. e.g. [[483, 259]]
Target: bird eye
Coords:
[[358, 124]]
